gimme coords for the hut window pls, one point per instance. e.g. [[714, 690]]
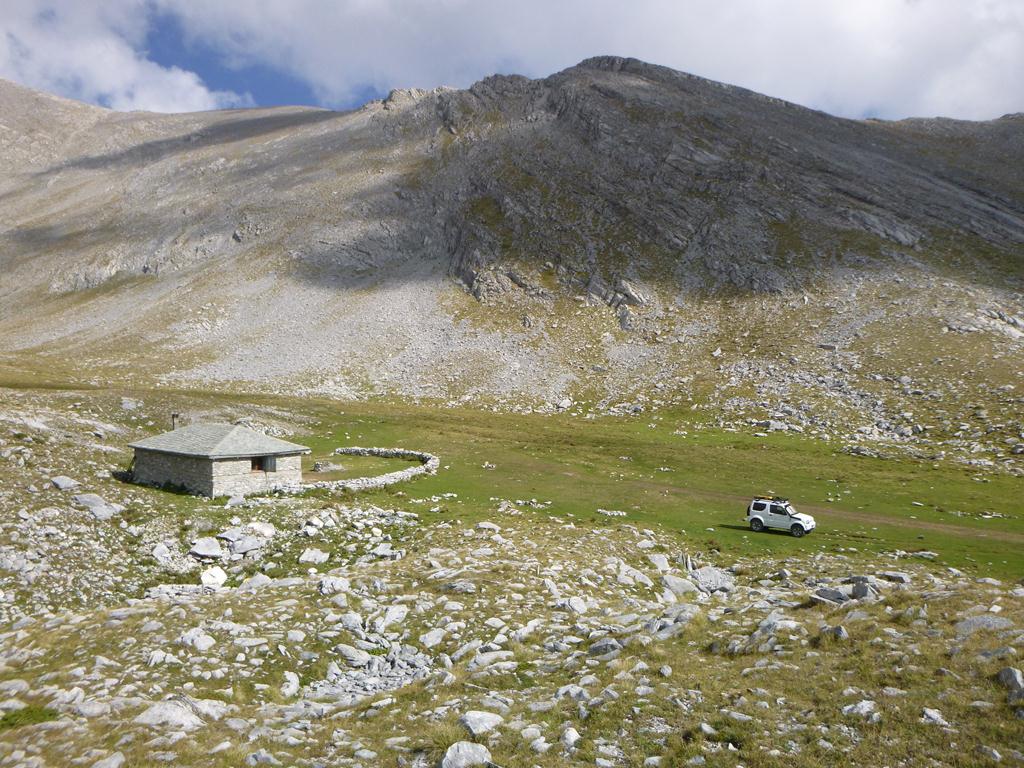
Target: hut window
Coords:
[[259, 464]]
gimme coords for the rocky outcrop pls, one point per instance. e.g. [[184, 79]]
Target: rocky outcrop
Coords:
[[613, 225]]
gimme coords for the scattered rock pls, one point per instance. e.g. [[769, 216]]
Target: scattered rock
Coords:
[[865, 709], [354, 657], [839, 633], [678, 586], [478, 723], [170, 714], [115, 760], [831, 596], [291, 685], [96, 505], [213, 577], [711, 579], [465, 754], [314, 556], [984, 622], [933, 717], [206, 548], [64, 483], [897, 577]]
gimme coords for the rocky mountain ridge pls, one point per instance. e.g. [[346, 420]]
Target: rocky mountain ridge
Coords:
[[617, 235]]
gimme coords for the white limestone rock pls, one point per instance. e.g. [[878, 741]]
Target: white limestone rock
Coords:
[[170, 715], [64, 483], [214, 576], [478, 723], [116, 760], [678, 586], [206, 547], [354, 657], [314, 556], [97, 506], [197, 638], [432, 638], [465, 754], [291, 685], [865, 709]]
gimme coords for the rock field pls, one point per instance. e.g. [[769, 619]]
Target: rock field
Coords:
[[313, 630]]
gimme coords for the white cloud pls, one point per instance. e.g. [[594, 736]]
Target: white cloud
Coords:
[[90, 51], [885, 57], [890, 58]]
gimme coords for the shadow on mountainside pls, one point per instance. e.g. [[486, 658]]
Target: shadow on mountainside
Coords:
[[694, 186], [224, 132]]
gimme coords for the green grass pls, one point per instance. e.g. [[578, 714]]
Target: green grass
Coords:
[[578, 465], [28, 715], [351, 466]]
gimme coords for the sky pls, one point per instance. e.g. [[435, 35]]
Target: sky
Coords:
[[855, 58]]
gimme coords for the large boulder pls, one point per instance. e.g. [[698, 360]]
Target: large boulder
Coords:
[[1012, 678], [332, 585], [478, 723], [213, 577], [605, 646], [829, 595], [711, 579], [246, 544], [659, 561], [172, 715], [63, 483], [354, 657], [465, 754], [986, 621], [677, 585], [98, 507], [206, 547], [314, 556], [254, 582]]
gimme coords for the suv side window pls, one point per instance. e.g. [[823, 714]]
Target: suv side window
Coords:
[[759, 506], [778, 509]]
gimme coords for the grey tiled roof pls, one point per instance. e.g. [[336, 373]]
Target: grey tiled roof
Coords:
[[218, 441]]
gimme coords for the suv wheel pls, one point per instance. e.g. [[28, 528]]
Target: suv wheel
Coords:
[[756, 525], [797, 530]]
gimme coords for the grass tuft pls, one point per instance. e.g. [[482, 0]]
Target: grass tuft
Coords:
[[30, 715]]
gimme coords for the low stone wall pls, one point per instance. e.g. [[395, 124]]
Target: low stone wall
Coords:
[[428, 466]]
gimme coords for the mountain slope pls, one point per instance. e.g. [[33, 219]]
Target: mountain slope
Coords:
[[619, 233]]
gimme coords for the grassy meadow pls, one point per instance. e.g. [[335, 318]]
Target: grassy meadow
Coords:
[[698, 482], [667, 469]]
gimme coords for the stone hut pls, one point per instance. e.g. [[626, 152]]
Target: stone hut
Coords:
[[217, 460]]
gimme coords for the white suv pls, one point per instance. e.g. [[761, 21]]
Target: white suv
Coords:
[[773, 512]]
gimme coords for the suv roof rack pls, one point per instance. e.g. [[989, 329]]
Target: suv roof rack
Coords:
[[771, 497]]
